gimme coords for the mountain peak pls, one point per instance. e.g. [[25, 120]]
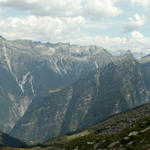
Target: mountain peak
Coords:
[[148, 55], [2, 38], [128, 53], [145, 59], [126, 56]]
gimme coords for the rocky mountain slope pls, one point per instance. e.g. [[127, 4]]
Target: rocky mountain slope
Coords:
[[119, 86], [127, 130], [145, 59], [30, 69], [7, 140]]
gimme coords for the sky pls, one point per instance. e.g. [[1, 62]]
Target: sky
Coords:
[[112, 24]]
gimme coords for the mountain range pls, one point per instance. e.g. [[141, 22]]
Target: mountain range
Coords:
[[31, 69], [119, 86], [47, 89]]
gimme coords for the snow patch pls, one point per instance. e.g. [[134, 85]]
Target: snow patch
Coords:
[[31, 83], [96, 65], [24, 104], [24, 80]]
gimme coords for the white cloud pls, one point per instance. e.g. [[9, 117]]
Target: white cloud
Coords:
[[93, 9], [137, 36], [45, 7], [143, 3], [137, 42], [41, 28], [134, 23], [68, 30], [2, 11], [97, 9]]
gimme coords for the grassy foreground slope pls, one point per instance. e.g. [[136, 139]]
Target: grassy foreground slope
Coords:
[[34, 148], [127, 130], [134, 137]]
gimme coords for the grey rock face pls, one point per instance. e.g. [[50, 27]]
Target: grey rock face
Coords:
[[7, 140], [30, 69], [119, 86]]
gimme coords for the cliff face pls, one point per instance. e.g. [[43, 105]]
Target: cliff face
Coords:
[[49, 86], [7, 140], [119, 86], [30, 69]]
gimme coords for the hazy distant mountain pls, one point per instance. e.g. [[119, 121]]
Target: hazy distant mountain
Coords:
[[137, 55], [119, 86], [145, 59], [28, 69]]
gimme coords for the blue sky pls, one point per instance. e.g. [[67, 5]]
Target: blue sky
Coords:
[[112, 24]]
